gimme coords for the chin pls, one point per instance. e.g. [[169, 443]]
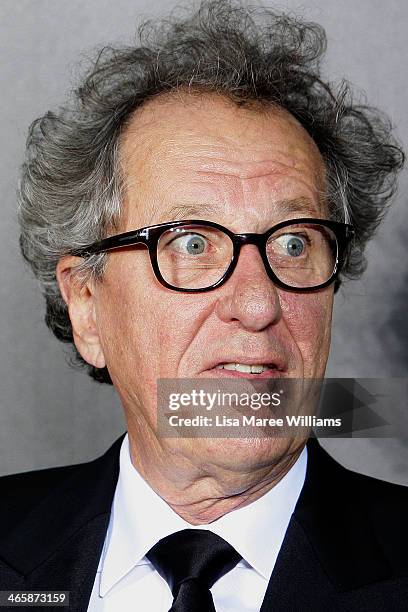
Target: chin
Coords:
[[240, 454]]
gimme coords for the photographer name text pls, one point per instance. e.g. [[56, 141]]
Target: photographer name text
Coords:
[[176, 420]]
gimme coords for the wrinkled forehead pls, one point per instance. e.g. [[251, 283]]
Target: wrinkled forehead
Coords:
[[180, 140]]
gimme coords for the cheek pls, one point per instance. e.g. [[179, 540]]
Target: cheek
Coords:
[[308, 319], [126, 324], [181, 319]]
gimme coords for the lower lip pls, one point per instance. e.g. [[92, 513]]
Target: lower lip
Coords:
[[222, 373]]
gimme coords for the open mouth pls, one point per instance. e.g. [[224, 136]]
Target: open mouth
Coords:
[[245, 368], [250, 370]]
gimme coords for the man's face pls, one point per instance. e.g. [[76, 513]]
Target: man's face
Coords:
[[190, 157]]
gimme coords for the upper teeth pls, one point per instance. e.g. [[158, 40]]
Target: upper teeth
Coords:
[[243, 367]]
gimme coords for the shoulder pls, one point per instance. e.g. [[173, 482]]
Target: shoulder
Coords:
[[384, 506], [21, 493], [25, 494], [328, 477], [369, 493]]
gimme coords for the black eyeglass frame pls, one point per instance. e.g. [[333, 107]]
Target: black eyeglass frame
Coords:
[[150, 236]]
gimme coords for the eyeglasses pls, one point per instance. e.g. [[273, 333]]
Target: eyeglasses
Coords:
[[300, 254]]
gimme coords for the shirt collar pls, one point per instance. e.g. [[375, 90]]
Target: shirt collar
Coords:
[[140, 518]]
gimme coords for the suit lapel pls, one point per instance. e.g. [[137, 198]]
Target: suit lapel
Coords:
[[72, 567], [297, 576]]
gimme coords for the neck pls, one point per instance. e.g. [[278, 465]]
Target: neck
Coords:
[[203, 491]]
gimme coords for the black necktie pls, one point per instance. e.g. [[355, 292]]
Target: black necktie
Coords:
[[191, 561]]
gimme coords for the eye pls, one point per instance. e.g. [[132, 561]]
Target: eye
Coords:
[[191, 244], [293, 244]]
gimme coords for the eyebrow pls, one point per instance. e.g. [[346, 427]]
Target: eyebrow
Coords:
[[302, 205]]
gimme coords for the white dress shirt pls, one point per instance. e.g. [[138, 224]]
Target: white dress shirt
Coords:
[[126, 581]]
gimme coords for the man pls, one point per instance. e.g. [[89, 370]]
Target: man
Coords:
[[189, 219]]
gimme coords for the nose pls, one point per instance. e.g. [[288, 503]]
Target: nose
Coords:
[[251, 298]]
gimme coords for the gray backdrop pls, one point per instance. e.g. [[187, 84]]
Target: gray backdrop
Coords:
[[53, 415]]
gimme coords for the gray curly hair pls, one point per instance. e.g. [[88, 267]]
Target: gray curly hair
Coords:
[[71, 187]]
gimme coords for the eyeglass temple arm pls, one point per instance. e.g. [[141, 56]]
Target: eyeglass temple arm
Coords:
[[113, 242]]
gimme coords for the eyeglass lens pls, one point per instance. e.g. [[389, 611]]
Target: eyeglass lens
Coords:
[[198, 256]]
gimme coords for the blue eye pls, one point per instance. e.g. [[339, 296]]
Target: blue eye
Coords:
[[294, 245], [193, 244]]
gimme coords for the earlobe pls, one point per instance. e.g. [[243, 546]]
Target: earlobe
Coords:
[[80, 298]]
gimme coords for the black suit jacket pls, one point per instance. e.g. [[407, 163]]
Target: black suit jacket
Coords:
[[346, 547]]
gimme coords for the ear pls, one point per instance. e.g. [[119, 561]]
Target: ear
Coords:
[[80, 299]]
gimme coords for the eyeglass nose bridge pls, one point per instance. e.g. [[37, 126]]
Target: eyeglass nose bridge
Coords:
[[250, 238], [259, 240]]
